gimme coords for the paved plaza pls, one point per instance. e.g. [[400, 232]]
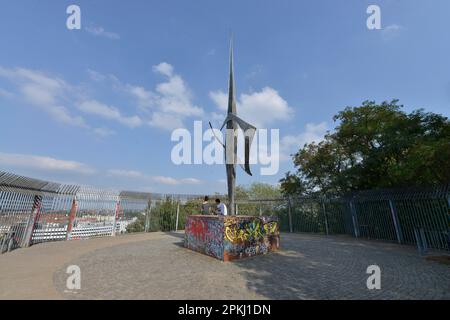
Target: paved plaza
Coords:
[[156, 266]]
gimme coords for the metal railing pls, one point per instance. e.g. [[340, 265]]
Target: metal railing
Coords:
[[33, 211], [407, 216]]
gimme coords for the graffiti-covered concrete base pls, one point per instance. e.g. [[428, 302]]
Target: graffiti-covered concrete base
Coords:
[[232, 237]]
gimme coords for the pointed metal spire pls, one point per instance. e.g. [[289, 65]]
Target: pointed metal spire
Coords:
[[231, 137], [231, 84], [233, 123]]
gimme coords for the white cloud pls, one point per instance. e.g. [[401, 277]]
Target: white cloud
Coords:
[[101, 32], [145, 98], [290, 144], [392, 31], [164, 68], [5, 93], [104, 132], [60, 100], [43, 163], [220, 98], [164, 107], [51, 83], [255, 72], [61, 114], [170, 103], [100, 77], [165, 121], [173, 181], [133, 174], [191, 181], [96, 76], [174, 96], [46, 92], [261, 108], [126, 174], [165, 180], [108, 112]]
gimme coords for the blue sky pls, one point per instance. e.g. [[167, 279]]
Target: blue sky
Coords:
[[86, 106]]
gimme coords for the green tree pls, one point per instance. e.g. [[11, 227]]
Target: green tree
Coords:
[[258, 191], [138, 225], [163, 215], [292, 184], [374, 146], [248, 198]]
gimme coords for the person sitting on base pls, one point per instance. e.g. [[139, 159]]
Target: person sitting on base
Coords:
[[205, 206], [221, 208]]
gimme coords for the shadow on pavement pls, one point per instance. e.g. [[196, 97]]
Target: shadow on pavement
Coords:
[[177, 235], [327, 268]]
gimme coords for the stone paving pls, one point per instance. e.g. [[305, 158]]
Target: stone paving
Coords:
[[156, 266]]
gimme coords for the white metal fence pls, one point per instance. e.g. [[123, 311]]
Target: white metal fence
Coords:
[[33, 211]]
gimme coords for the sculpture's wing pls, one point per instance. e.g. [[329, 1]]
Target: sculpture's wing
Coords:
[[249, 133], [215, 136], [223, 145]]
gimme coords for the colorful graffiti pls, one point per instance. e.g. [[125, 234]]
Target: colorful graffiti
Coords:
[[252, 230], [204, 234], [250, 236], [214, 239], [233, 237], [197, 228]]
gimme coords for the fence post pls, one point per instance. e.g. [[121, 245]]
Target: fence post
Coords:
[[398, 229], [34, 216], [148, 217], [116, 217], [448, 200], [236, 211], [354, 218], [290, 215], [260, 208], [325, 215], [178, 213], [448, 216], [424, 240], [146, 221], [421, 241], [73, 212]]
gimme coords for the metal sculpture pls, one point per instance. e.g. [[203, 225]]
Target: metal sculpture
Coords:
[[233, 123]]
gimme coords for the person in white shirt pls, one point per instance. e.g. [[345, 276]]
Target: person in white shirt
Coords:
[[221, 208]]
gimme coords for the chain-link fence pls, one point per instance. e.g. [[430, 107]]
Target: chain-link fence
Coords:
[[33, 211]]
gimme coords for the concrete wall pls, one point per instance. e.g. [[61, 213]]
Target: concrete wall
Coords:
[[232, 237]]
